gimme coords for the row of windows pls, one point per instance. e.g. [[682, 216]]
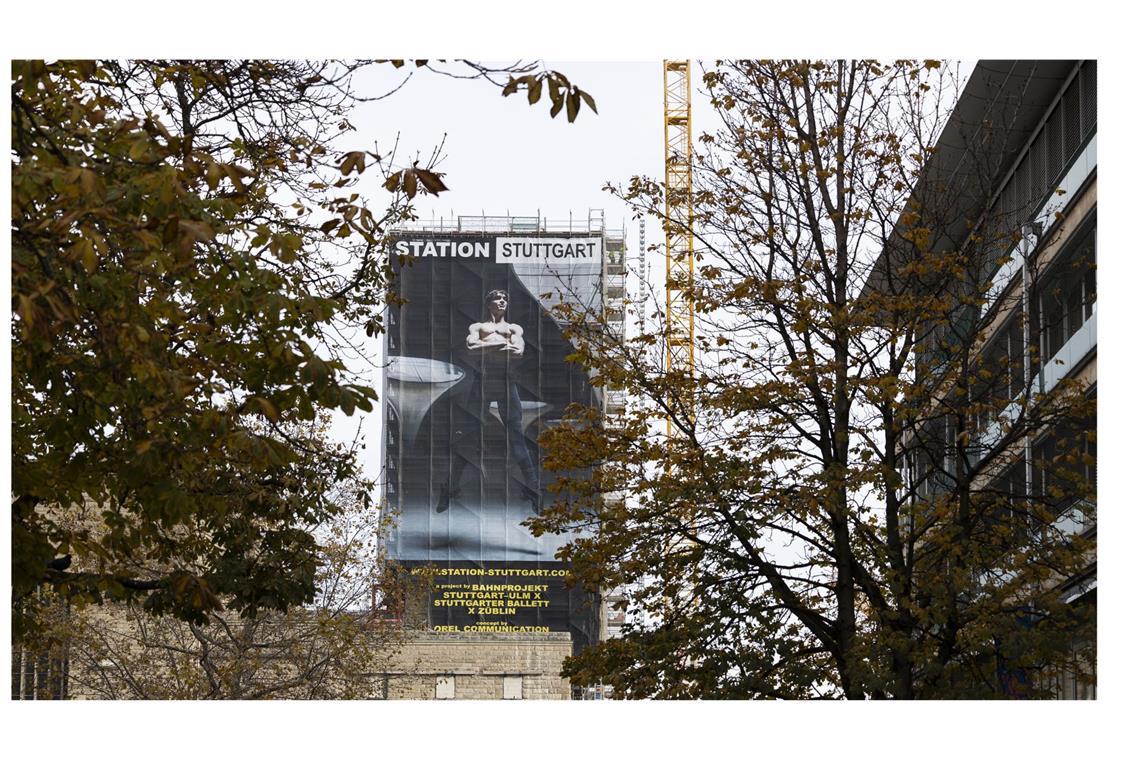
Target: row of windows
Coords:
[[1000, 374], [1062, 471], [1063, 301], [1067, 684], [512, 687], [1067, 295], [39, 675], [1068, 126]]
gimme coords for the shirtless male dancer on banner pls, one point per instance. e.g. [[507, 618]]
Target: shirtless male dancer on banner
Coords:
[[491, 347]]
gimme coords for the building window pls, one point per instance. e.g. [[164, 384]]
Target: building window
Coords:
[[1088, 97], [1064, 465], [39, 675], [1067, 295], [1004, 514], [512, 687], [1067, 129], [1075, 679], [445, 687], [999, 377], [929, 458]]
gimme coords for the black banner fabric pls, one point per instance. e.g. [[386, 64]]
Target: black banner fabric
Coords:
[[475, 369], [503, 597]]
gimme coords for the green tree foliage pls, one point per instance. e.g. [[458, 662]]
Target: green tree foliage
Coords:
[[188, 252], [832, 516]]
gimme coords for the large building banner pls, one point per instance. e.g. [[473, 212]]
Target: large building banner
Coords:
[[475, 370]]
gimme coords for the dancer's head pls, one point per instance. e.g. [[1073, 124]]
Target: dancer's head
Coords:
[[496, 302]]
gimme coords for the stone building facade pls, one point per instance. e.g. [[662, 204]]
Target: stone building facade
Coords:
[[433, 665], [118, 652]]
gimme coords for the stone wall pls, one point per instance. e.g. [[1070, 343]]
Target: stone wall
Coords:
[[479, 664], [119, 652]]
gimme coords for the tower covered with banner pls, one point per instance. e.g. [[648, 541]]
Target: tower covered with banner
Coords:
[[475, 368]]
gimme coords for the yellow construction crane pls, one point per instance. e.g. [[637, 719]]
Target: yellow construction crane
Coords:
[[679, 327], [680, 330]]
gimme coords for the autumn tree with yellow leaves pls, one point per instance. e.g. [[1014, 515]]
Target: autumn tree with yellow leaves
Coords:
[[833, 514]]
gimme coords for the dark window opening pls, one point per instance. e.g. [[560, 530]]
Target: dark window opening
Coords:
[[999, 376], [1067, 295], [1064, 466]]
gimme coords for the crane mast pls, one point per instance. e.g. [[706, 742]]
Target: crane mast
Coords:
[[678, 222]]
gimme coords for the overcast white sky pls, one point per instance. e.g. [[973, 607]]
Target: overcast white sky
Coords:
[[505, 155]]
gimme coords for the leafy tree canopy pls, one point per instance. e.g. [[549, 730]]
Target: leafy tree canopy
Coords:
[[189, 252], [837, 511]]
